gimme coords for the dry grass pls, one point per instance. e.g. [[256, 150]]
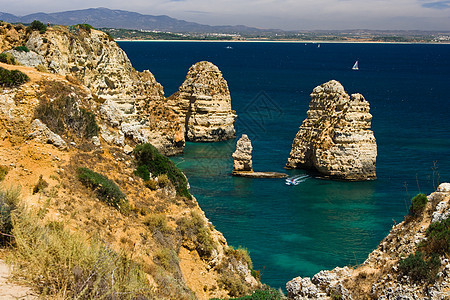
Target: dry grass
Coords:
[[61, 264]]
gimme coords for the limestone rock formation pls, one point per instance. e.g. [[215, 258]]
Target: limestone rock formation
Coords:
[[243, 155], [335, 139], [243, 161], [11, 35], [379, 277], [204, 104], [31, 59], [59, 108], [132, 102], [41, 133]]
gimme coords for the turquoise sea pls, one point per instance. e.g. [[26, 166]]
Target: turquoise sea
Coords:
[[319, 224]]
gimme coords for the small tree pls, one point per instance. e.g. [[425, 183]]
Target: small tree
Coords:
[[37, 25], [418, 204]]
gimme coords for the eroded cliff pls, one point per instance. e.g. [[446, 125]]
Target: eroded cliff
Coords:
[[394, 270], [335, 138], [71, 117], [132, 102]]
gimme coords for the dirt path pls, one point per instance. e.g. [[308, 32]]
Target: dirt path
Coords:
[[10, 291]]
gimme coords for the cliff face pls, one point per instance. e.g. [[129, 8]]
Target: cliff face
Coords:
[[335, 139], [49, 127], [381, 275], [11, 35], [204, 104], [132, 102]]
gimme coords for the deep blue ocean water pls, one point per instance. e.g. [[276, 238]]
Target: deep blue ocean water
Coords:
[[319, 224]]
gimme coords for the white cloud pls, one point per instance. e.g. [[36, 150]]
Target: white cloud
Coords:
[[284, 14]]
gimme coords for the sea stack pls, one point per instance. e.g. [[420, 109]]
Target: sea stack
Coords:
[[204, 104], [335, 139], [243, 161], [243, 155]]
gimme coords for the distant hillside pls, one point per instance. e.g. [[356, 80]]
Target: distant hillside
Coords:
[[107, 18]]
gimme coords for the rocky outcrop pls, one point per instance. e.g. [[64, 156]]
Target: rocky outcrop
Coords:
[[243, 155], [379, 276], [41, 133], [133, 102], [204, 104], [335, 139], [31, 59], [11, 35], [242, 165]]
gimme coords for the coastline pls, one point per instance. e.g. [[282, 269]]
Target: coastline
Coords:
[[286, 41]]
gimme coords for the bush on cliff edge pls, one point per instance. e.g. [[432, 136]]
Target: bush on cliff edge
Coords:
[[12, 78], [37, 25], [148, 157], [418, 204]]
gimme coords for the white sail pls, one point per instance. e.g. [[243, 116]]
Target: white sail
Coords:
[[355, 66]]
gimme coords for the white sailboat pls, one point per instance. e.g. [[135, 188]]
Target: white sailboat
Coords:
[[355, 66]]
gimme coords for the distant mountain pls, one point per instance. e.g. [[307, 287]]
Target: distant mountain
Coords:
[[107, 18], [9, 17]]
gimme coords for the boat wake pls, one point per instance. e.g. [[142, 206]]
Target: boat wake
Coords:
[[294, 180]]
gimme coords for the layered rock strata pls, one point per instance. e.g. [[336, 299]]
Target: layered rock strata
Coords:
[[335, 139], [379, 277], [132, 102], [243, 155], [204, 104]]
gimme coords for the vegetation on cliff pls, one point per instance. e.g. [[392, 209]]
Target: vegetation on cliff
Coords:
[[424, 264], [106, 189], [72, 189], [7, 58], [12, 78], [63, 264], [149, 160], [37, 25], [61, 110]]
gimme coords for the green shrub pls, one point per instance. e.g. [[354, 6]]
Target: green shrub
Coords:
[[22, 49], [205, 243], [438, 238], [167, 258], [8, 203], [40, 185], [233, 284], [7, 58], [63, 265], [106, 189], [194, 228], [241, 254], [418, 204], [86, 27], [12, 78], [157, 222], [37, 25], [163, 180], [3, 172], [157, 164], [63, 112], [420, 269], [265, 293], [142, 171]]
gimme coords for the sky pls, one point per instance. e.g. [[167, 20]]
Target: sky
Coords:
[[275, 14]]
